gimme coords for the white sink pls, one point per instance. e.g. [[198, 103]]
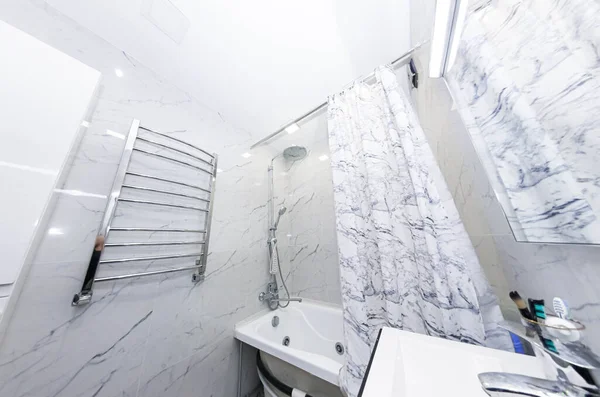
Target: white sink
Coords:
[[412, 365]]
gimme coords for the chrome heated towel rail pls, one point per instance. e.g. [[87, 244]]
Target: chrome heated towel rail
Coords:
[[162, 148]]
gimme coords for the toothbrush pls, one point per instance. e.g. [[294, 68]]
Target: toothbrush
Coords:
[[539, 315], [514, 295], [560, 308], [525, 313]]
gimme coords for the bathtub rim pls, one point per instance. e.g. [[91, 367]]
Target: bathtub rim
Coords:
[[300, 359]]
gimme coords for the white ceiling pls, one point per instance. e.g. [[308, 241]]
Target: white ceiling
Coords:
[[259, 63]]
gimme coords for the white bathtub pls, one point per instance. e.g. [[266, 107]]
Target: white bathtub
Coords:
[[313, 329]]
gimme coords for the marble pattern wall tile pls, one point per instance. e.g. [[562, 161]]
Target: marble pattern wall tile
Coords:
[[160, 335], [307, 240], [535, 270]]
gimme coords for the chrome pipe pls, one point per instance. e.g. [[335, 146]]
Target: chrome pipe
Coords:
[[270, 198], [141, 244], [147, 189], [156, 178], [187, 207], [171, 159], [150, 258], [178, 140], [85, 295], [151, 142], [286, 300], [152, 273], [402, 60], [208, 219], [145, 229]]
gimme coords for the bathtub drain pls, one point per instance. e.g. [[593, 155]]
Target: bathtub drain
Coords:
[[339, 348], [286, 341]]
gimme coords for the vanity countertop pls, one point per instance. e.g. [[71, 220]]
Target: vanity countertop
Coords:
[[413, 365]]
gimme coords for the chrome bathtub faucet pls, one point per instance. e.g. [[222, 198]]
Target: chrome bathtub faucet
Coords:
[[272, 297]]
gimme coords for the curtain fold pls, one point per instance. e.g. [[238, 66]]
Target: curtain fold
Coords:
[[405, 258]]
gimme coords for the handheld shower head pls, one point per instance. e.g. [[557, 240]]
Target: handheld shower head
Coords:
[[282, 211]]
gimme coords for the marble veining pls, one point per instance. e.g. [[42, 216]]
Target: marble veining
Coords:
[[405, 258], [527, 84], [156, 336], [306, 235]]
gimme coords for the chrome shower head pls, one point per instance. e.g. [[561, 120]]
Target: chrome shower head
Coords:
[[279, 214], [295, 153]]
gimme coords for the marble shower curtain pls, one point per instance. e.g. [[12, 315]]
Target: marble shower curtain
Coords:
[[405, 258]]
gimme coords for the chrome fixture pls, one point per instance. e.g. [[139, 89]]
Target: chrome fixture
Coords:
[[573, 353], [295, 153], [400, 61], [498, 384], [286, 341], [271, 296], [282, 211], [275, 321], [206, 162], [293, 299], [339, 348]]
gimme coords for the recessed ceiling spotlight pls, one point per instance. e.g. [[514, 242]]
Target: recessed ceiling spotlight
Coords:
[[119, 72], [219, 170], [246, 155], [290, 129], [323, 157], [85, 123]]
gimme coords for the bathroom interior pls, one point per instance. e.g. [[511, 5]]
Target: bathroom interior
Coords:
[[321, 198]]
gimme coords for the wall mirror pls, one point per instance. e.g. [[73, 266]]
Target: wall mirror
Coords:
[[525, 77]]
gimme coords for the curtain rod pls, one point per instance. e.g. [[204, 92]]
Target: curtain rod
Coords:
[[400, 61]]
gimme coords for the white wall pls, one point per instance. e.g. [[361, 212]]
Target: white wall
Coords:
[[164, 336], [307, 232], [44, 95], [259, 63], [157, 336]]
